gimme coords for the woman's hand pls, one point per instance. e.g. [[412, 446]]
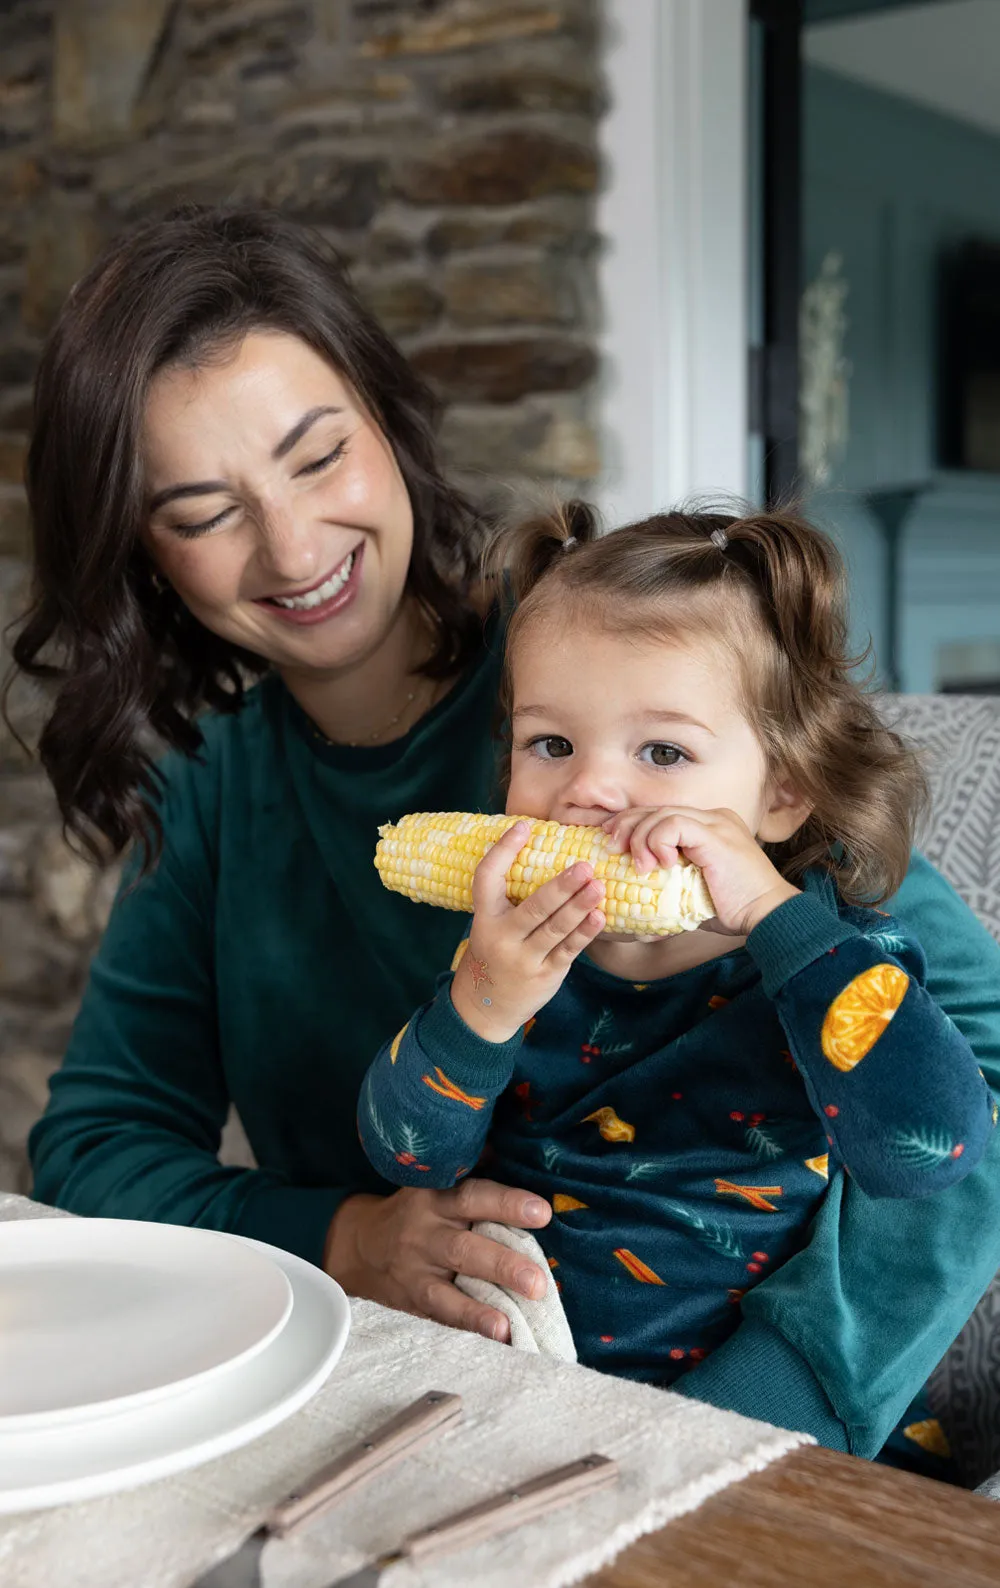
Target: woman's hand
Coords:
[[744, 885], [404, 1250], [519, 954]]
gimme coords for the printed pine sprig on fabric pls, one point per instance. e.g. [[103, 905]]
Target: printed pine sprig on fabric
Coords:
[[375, 1120], [719, 1237], [924, 1149], [551, 1155], [412, 1147], [643, 1171], [887, 942], [762, 1141], [595, 1046]]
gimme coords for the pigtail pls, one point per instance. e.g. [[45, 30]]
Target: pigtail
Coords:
[[524, 553], [801, 585], [866, 787]]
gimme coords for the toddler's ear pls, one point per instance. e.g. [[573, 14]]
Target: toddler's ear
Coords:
[[784, 813]]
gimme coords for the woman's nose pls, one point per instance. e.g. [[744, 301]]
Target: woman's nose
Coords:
[[290, 547]]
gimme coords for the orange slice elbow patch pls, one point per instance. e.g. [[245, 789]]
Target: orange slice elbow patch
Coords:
[[859, 1015], [610, 1126], [637, 1268]]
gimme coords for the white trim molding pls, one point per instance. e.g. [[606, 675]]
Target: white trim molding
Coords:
[[673, 277]]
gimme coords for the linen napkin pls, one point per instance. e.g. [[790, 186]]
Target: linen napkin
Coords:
[[537, 1326]]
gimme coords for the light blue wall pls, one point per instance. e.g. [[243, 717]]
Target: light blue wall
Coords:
[[889, 185]]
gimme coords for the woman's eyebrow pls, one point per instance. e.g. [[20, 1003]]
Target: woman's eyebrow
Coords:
[[208, 487], [297, 431]]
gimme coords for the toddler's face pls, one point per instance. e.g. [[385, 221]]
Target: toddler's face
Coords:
[[602, 722]]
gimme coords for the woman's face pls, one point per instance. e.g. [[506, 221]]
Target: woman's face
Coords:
[[276, 508]]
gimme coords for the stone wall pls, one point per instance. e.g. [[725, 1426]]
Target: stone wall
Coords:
[[447, 147]]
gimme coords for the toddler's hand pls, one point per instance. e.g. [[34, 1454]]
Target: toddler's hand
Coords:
[[519, 954], [744, 885]]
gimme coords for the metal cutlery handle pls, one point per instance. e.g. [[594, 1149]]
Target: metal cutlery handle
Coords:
[[400, 1436], [513, 1507]]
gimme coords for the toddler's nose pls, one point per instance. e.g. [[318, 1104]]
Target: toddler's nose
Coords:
[[590, 797]]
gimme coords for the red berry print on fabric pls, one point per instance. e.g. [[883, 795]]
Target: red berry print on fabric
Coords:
[[677, 1355], [831, 1110], [597, 1045]]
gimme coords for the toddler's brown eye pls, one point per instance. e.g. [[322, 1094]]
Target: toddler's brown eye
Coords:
[[555, 748], [664, 754]]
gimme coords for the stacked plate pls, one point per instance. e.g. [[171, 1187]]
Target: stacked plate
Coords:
[[130, 1351]]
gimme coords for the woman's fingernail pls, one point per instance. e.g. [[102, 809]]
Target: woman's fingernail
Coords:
[[534, 1209], [526, 1279]]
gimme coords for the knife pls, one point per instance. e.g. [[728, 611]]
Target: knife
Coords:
[[410, 1430], [510, 1509]]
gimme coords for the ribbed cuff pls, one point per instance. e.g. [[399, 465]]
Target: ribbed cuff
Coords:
[[293, 1217], [467, 1056], [758, 1374], [792, 936]]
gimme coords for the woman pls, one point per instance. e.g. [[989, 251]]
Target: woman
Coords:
[[233, 473]]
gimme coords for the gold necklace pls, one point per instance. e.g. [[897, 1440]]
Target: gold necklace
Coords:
[[355, 744], [371, 737]]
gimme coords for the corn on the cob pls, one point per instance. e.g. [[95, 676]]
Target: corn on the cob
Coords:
[[432, 857]]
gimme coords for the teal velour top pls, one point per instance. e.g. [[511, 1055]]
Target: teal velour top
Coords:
[[263, 964]]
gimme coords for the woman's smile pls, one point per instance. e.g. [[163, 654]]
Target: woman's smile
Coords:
[[324, 599]]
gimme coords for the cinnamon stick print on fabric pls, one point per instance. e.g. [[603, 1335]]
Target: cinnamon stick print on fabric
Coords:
[[756, 1195], [637, 1268], [447, 1088]]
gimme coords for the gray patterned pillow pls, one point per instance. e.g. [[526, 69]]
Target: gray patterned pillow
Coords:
[[961, 735]]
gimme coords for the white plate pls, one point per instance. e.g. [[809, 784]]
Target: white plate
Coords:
[[99, 1316], [51, 1466]]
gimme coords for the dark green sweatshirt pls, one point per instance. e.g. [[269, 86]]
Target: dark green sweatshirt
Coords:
[[263, 964]]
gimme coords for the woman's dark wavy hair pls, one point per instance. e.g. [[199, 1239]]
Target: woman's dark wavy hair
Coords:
[[130, 665]]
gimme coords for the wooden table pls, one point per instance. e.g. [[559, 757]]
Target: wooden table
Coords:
[[822, 1520]]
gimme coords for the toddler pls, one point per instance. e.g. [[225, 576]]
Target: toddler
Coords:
[[684, 1103]]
